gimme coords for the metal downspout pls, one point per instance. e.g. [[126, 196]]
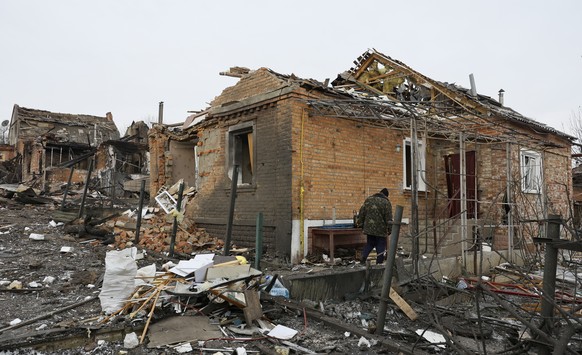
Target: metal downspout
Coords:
[[301, 192]]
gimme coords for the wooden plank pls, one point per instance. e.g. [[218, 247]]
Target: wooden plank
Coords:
[[403, 305], [252, 309]]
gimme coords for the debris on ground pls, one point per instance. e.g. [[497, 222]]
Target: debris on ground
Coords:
[[88, 284]]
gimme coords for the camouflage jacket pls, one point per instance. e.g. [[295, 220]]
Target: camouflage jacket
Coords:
[[375, 216]]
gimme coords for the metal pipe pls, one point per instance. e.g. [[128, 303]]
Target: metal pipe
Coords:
[[259, 241], [387, 282], [473, 86], [414, 194], [175, 226], [161, 113], [231, 209], [463, 187], [139, 211]]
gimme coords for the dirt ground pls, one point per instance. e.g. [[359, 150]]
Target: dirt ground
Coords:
[[52, 279], [60, 278]]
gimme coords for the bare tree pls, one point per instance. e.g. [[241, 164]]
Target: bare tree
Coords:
[[576, 131]]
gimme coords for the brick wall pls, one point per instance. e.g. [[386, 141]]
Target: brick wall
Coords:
[[258, 82], [344, 161], [271, 192]]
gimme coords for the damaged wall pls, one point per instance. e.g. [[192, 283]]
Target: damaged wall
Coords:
[[47, 139], [302, 168]]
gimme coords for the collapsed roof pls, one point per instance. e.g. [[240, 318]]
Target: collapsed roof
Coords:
[[61, 128]]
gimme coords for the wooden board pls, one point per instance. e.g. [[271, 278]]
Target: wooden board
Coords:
[[252, 309], [402, 304]]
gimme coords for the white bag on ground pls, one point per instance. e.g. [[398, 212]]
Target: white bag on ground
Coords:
[[119, 279]]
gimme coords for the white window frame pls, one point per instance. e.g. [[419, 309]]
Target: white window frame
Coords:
[[407, 146], [531, 171]]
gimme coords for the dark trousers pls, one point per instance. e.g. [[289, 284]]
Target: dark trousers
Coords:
[[374, 242]]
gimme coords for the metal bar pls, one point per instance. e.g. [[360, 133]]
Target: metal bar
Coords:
[[67, 188], [139, 211], [259, 241], [549, 286], [387, 282], [175, 227], [334, 323], [86, 187], [231, 209]]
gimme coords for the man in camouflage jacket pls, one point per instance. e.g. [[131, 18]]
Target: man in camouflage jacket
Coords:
[[375, 218]]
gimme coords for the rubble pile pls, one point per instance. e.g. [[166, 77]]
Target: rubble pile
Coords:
[[156, 233]]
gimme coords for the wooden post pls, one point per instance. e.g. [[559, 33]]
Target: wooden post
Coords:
[[549, 286]]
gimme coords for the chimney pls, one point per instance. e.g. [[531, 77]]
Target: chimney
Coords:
[[473, 87], [161, 113], [501, 91], [109, 116]]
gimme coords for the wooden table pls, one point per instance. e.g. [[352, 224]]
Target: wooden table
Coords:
[[328, 238]]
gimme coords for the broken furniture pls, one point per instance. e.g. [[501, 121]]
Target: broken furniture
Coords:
[[330, 237]]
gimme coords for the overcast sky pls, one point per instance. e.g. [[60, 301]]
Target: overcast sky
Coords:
[[127, 56]]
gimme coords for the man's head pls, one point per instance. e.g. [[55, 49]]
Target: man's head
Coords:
[[384, 192]]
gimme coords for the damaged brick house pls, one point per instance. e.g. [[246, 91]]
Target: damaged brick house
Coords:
[[49, 142], [461, 164], [122, 164]]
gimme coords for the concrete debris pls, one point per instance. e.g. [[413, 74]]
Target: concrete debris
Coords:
[[433, 337], [36, 236], [130, 341]]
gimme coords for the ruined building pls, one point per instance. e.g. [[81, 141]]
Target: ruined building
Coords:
[[466, 168], [50, 142]]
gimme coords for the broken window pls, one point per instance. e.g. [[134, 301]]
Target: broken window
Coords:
[[55, 155], [408, 165], [242, 152], [531, 171]]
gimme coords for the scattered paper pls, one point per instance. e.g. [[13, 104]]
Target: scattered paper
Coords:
[[433, 337], [282, 332], [35, 236], [66, 249], [15, 321], [55, 224], [198, 265]]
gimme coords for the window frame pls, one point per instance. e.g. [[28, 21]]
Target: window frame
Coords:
[[407, 145], [531, 183], [236, 132]]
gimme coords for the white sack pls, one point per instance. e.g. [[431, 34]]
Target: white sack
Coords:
[[119, 279]]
